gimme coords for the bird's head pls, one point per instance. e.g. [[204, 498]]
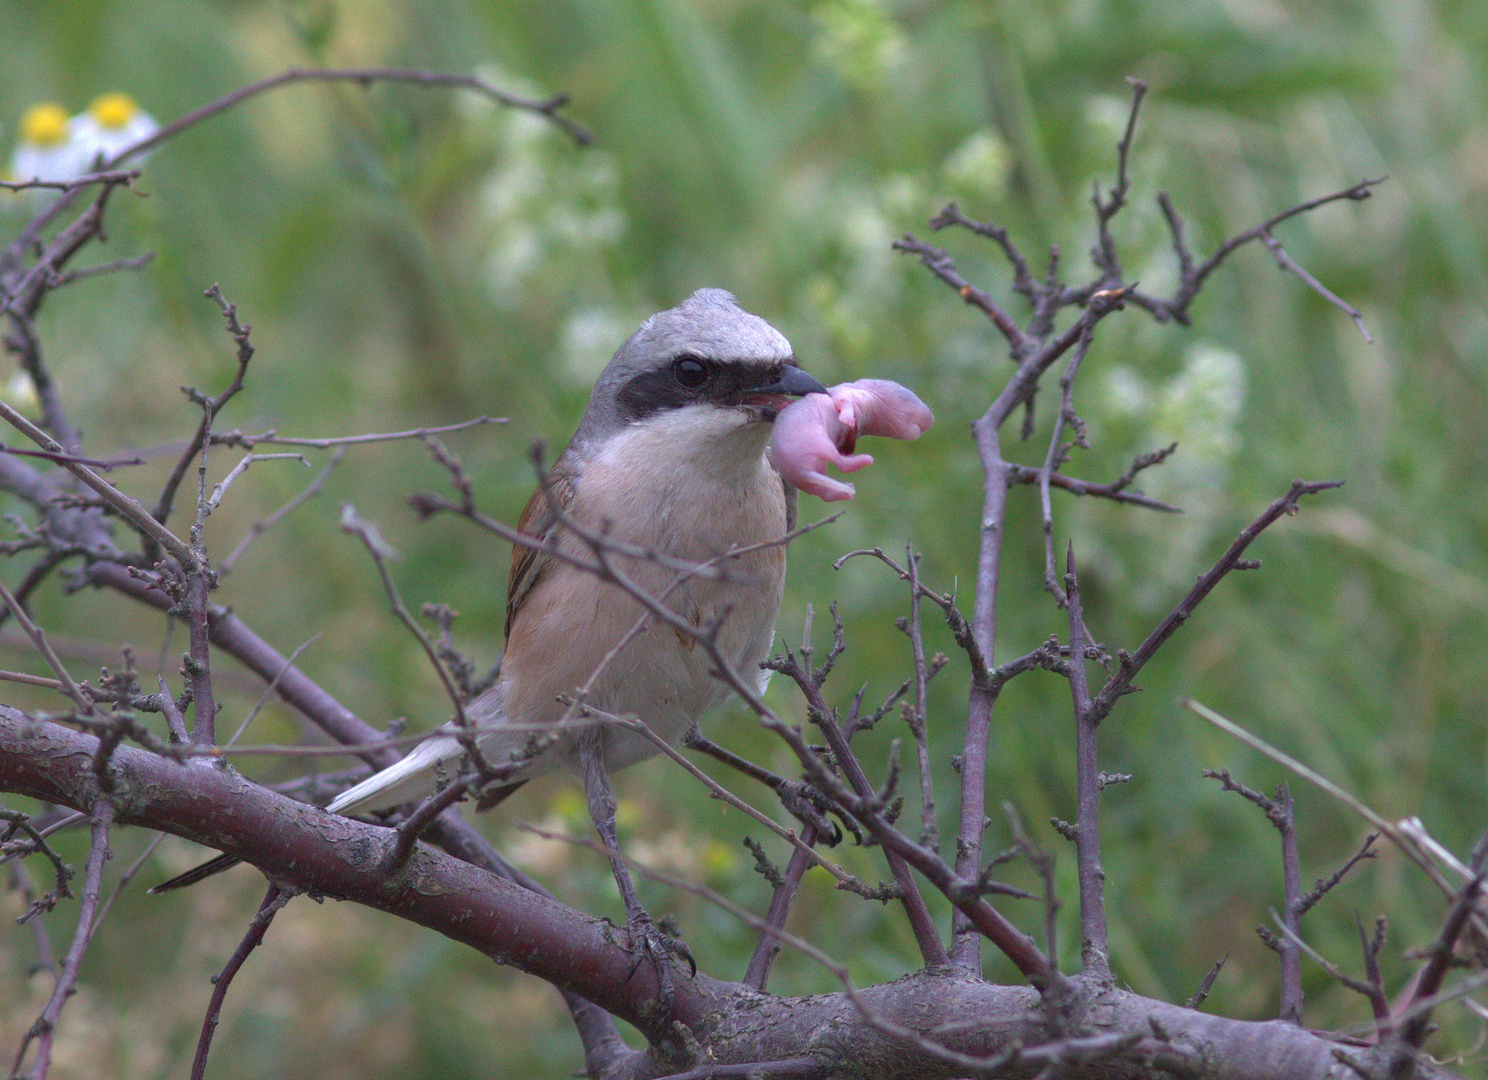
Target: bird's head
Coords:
[[706, 375]]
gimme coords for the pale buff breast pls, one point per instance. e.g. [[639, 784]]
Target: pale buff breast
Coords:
[[571, 625]]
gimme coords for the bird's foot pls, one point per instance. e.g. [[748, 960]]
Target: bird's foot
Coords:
[[810, 807], [648, 942]]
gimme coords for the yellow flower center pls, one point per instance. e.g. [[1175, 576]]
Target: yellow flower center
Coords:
[[112, 110], [44, 124]]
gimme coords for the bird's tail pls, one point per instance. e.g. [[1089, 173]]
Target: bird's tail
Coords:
[[417, 775]]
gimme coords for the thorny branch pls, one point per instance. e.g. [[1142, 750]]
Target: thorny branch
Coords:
[[1279, 813], [1120, 682], [1116, 491], [273, 902], [35, 842], [931, 949], [23, 288], [1322, 886], [210, 407], [29, 270], [1414, 1030], [549, 109], [1033, 349], [44, 1028], [837, 776], [915, 712], [1192, 277], [1094, 952]]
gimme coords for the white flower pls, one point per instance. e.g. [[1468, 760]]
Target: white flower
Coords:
[[46, 150], [54, 148], [112, 123]]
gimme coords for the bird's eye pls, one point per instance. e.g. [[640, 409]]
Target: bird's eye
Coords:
[[690, 372]]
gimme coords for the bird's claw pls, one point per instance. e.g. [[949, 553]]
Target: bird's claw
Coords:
[[647, 942], [808, 806]]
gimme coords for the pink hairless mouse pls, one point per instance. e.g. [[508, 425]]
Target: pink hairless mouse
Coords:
[[822, 429]]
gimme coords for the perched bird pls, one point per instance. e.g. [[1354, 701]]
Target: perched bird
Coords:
[[669, 466]]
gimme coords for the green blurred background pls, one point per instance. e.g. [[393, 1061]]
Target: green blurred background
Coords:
[[417, 257]]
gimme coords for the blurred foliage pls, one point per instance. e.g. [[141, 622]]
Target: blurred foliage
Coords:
[[416, 257]]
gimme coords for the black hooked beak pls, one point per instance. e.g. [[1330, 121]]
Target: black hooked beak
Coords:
[[793, 382]]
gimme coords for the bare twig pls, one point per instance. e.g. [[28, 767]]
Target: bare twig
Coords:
[[864, 796], [262, 525], [365, 76], [214, 500], [1291, 918], [210, 407], [1055, 457], [1403, 838], [198, 579], [46, 1024], [175, 722], [718, 791], [381, 551], [757, 972], [944, 267], [1414, 1030], [1094, 951], [1023, 281], [129, 262], [1279, 813], [102, 176], [914, 713], [1115, 491], [237, 438], [263, 696], [1321, 887], [1292, 942], [1043, 863], [23, 288], [128, 508], [1104, 253], [107, 465], [35, 842], [801, 800], [273, 901], [1120, 681], [1286, 262], [1192, 278], [406, 835], [1370, 946], [38, 638], [960, 626]]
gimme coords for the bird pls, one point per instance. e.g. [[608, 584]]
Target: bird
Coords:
[[667, 468]]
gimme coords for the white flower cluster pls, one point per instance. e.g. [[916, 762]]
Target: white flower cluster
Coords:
[[51, 146]]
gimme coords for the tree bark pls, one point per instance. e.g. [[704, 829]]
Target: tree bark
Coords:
[[925, 1025]]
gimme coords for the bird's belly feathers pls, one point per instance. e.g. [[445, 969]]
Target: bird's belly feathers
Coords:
[[576, 633]]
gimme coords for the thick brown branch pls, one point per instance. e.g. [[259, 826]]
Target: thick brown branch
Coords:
[[340, 858]]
